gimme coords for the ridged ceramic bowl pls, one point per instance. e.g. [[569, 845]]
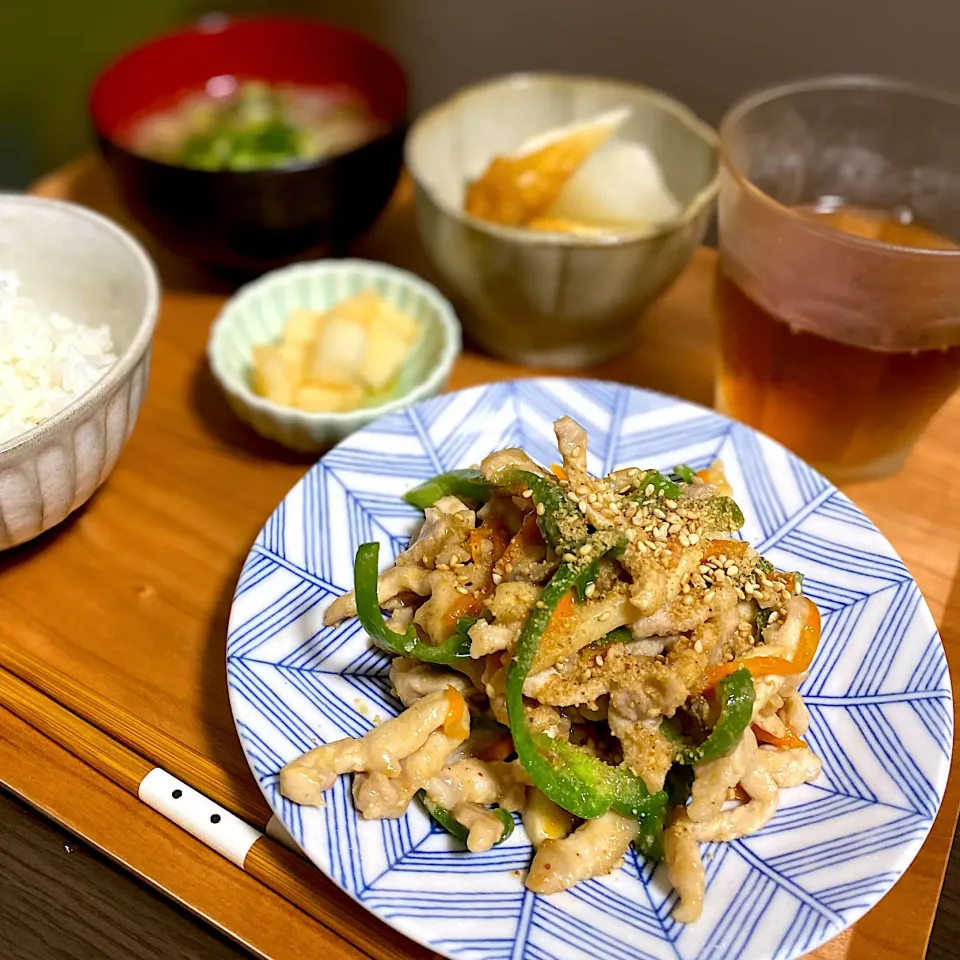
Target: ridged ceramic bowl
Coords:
[[552, 299], [77, 263], [258, 312]]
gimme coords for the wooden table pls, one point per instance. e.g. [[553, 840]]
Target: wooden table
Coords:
[[129, 598]]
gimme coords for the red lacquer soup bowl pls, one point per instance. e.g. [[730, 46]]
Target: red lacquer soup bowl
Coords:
[[253, 220]]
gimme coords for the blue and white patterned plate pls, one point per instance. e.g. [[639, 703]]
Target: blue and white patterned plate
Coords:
[[878, 693]]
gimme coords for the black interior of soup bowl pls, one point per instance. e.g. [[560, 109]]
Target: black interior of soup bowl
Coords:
[[254, 220]]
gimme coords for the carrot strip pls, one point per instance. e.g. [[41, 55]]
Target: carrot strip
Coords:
[[558, 471], [492, 531], [776, 666], [528, 535], [789, 741], [498, 749], [564, 609], [455, 724], [471, 604], [729, 548], [466, 605]]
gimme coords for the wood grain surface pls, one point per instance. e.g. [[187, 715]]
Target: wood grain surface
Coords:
[[144, 574], [66, 790], [62, 900]]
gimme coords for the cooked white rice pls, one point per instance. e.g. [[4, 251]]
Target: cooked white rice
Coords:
[[46, 362]]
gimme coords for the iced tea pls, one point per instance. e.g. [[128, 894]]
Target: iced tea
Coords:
[[839, 269], [847, 408]]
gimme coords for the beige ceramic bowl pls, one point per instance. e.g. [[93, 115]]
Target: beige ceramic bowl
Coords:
[[550, 299], [77, 263]]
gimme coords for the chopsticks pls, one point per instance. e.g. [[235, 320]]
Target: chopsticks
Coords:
[[281, 870], [160, 748]]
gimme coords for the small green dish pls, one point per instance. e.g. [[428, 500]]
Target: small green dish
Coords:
[[257, 312]]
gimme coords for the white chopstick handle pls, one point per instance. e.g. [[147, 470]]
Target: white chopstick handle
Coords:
[[198, 815]]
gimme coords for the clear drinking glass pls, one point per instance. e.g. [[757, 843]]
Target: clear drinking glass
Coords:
[[839, 272]]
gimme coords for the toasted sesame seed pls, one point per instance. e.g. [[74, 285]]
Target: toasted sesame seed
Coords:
[[443, 566], [590, 590], [604, 617], [650, 490], [671, 504], [577, 450], [686, 588], [541, 605], [797, 588], [674, 528], [774, 617], [684, 540], [599, 662], [740, 594], [541, 509], [508, 568], [652, 712], [704, 568], [463, 590], [733, 570], [568, 558], [659, 514], [497, 579], [694, 539], [587, 674], [688, 600], [698, 646], [572, 497], [586, 550], [722, 559], [583, 506], [631, 535], [633, 472], [642, 545], [527, 494], [592, 498]]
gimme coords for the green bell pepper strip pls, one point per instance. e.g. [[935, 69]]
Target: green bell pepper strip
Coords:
[[561, 523], [684, 472], [736, 695], [763, 618], [558, 511], [662, 487], [407, 644], [679, 784], [573, 779], [466, 484], [456, 829], [649, 839]]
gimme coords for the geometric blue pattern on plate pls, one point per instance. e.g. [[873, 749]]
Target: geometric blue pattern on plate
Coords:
[[878, 693]]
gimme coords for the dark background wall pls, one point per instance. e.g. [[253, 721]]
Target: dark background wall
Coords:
[[706, 52]]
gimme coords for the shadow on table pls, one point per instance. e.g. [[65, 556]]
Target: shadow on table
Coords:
[[220, 421]]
